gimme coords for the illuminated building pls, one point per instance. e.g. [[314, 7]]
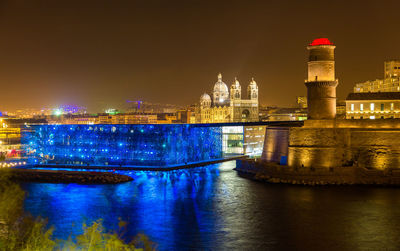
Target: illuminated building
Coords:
[[325, 147], [139, 106], [341, 109], [10, 139], [301, 101], [390, 82], [274, 113], [127, 118], [286, 114], [71, 109], [183, 116], [248, 140], [138, 145], [78, 120], [321, 83], [373, 105], [228, 107], [111, 111], [30, 113]]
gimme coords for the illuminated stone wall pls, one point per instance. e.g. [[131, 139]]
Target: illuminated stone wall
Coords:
[[275, 144], [376, 148], [318, 147], [347, 144], [137, 145]]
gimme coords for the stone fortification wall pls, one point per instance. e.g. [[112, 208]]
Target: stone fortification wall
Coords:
[[353, 123], [318, 147], [275, 173], [376, 148], [356, 144], [275, 144]]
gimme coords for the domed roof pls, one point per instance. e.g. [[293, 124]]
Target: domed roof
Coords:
[[320, 41], [220, 87], [205, 97], [236, 84], [253, 83]]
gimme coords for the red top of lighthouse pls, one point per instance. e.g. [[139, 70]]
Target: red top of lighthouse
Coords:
[[321, 41]]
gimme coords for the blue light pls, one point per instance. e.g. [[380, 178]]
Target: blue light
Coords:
[[127, 145]]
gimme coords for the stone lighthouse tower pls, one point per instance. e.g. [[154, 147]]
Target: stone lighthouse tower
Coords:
[[321, 83]]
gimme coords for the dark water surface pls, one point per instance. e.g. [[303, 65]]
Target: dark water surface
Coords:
[[212, 208]]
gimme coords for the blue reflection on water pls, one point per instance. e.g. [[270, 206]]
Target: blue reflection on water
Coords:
[[211, 208], [167, 206]]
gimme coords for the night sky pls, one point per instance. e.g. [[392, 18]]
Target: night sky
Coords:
[[100, 54]]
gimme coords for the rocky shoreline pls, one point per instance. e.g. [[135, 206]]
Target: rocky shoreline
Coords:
[[349, 175], [61, 176]]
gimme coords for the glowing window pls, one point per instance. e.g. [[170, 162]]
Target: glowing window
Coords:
[[372, 106], [371, 117], [352, 107], [391, 106], [361, 107]]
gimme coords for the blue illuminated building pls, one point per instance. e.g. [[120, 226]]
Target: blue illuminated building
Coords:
[[123, 145]]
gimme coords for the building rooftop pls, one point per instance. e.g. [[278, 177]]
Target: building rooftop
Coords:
[[321, 41], [373, 96]]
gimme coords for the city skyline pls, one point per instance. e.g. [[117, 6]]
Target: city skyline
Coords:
[[98, 55], [199, 125]]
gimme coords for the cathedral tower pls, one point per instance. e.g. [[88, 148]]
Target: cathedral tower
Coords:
[[252, 90], [236, 90], [321, 83]]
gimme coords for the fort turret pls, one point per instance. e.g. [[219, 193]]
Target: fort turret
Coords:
[[321, 83]]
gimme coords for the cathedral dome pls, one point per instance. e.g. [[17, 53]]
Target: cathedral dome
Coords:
[[221, 92], [205, 100], [220, 86], [205, 97]]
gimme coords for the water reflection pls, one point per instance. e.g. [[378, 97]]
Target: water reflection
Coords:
[[213, 208]]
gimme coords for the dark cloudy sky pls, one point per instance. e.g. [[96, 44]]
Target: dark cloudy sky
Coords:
[[101, 53]]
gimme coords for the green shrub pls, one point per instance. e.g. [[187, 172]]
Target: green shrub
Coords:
[[20, 231]]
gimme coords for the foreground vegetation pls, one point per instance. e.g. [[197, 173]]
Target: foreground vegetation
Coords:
[[20, 231]]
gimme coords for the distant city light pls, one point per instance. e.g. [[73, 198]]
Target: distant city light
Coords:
[[111, 111], [58, 112]]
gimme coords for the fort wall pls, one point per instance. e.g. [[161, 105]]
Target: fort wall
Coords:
[[326, 144]]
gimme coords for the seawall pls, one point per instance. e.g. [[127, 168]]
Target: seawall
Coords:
[[330, 152], [274, 173], [338, 143]]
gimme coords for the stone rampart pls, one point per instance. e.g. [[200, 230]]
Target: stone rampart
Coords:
[[325, 144]]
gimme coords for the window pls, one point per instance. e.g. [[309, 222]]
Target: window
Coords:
[[382, 117], [352, 107], [361, 107], [352, 117], [382, 107], [391, 106], [361, 117], [371, 117], [372, 106]]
